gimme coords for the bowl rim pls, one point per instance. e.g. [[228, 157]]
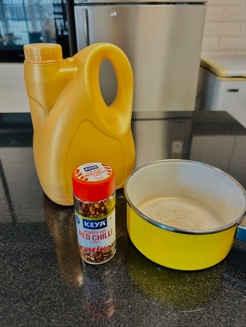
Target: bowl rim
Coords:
[[181, 230]]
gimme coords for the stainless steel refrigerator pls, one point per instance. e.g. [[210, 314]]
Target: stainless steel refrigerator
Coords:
[[162, 40]]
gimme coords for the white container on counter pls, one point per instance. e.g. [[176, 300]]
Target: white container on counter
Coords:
[[222, 86]]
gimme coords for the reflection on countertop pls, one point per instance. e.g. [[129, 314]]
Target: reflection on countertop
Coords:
[[44, 282], [211, 137]]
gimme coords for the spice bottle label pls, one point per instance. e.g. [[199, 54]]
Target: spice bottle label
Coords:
[[96, 237]]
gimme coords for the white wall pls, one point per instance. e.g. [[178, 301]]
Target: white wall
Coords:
[[225, 28], [13, 97]]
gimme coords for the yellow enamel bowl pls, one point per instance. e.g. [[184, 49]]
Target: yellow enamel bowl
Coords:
[[183, 214]]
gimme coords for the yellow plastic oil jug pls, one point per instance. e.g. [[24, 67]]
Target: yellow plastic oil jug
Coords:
[[71, 121]]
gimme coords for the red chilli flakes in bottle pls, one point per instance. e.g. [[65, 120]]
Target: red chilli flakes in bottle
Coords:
[[94, 203]]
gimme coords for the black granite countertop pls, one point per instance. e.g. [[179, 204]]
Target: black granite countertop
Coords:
[[44, 283]]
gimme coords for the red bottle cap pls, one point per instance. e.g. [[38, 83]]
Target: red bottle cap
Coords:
[[93, 181]]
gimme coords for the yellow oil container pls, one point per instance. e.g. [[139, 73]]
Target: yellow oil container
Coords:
[[72, 123]]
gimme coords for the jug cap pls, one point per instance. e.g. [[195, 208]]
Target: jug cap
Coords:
[[43, 52]]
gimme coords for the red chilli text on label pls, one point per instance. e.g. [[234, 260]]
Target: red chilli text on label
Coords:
[[100, 237]]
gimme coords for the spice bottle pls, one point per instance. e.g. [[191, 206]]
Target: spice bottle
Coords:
[[94, 203]]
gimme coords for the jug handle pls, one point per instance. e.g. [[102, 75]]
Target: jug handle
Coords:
[[117, 116]]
